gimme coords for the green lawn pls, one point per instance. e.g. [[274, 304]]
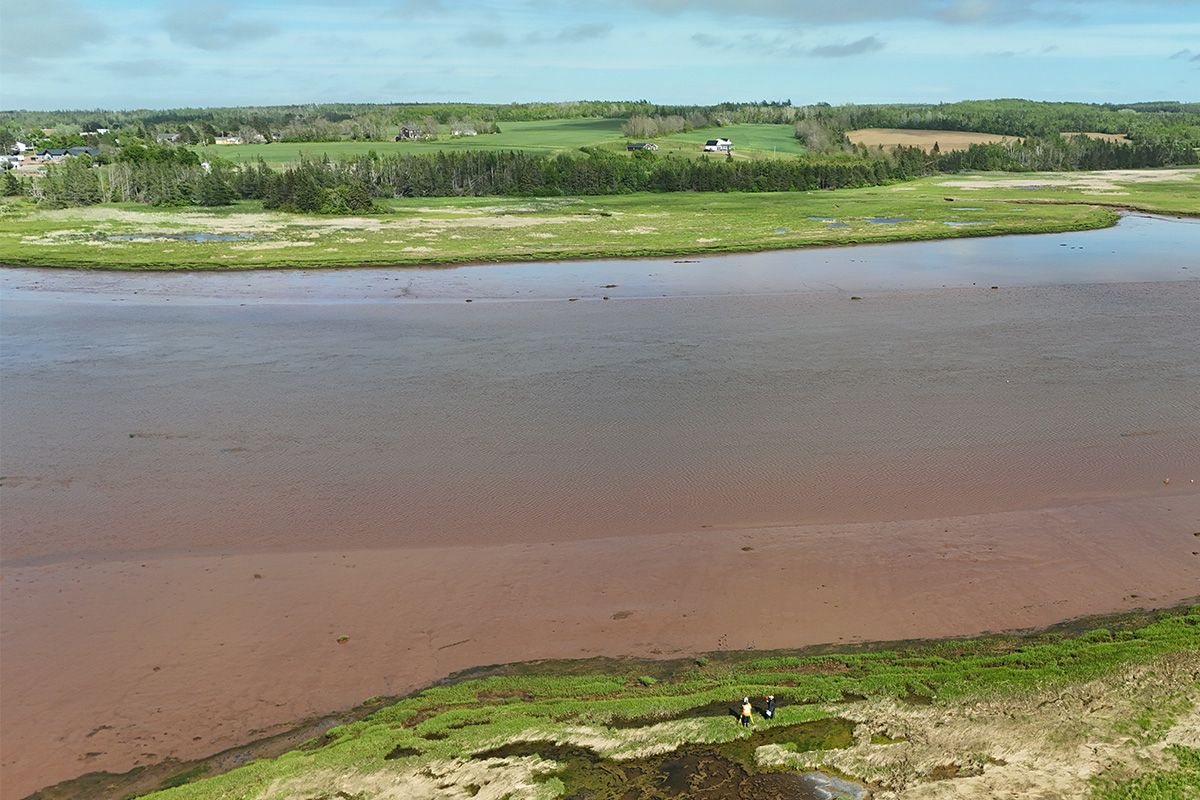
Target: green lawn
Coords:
[[542, 136], [749, 141], [457, 230]]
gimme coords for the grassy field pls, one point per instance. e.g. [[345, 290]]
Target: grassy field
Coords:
[[543, 136], [459, 230], [749, 141], [1008, 715]]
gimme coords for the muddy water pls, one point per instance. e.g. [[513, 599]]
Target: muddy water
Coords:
[[132, 427], [200, 496]]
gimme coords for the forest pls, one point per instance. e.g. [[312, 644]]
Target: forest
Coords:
[[134, 166]]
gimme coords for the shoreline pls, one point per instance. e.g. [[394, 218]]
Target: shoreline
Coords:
[[462, 231], [600, 255], [141, 780], [250, 641]]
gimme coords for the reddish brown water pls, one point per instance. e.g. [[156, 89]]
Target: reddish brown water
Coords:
[[453, 484]]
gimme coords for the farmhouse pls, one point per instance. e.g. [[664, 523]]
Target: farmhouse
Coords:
[[642, 146], [718, 146], [56, 154], [162, 138], [410, 134], [227, 140]]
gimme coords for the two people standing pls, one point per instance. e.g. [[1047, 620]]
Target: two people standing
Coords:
[[748, 710]]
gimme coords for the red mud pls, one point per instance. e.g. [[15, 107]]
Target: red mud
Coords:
[[199, 502]]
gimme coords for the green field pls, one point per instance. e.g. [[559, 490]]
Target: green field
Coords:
[[545, 136], [458, 230], [1002, 712], [749, 141]]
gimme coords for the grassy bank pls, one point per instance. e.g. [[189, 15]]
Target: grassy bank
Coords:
[[460, 230], [1002, 711]]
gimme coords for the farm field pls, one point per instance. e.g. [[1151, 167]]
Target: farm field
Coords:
[[458, 230], [542, 136], [970, 715], [925, 139], [749, 141], [1108, 137]]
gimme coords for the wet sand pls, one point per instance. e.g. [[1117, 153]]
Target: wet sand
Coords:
[[199, 498]]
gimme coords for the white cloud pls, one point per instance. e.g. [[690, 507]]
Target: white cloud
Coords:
[[213, 27]]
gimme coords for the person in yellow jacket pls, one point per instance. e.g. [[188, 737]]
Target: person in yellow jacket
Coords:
[[747, 710]]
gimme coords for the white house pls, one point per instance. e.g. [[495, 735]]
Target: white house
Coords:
[[718, 146]]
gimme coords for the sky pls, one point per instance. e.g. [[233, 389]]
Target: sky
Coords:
[[121, 54]]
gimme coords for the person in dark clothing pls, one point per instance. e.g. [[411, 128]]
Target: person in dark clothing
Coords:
[[770, 713]]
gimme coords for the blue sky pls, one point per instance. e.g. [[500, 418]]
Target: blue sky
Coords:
[[163, 53]]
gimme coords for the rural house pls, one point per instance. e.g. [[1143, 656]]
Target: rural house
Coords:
[[718, 146], [642, 146]]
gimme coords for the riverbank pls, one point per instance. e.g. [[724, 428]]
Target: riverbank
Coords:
[[201, 499], [893, 719], [430, 231]]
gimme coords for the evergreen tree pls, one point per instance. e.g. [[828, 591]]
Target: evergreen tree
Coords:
[[12, 185]]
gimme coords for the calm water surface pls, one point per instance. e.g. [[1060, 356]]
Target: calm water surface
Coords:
[[293, 410]]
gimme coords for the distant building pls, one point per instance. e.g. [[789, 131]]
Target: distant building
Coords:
[[464, 132], [56, 154], [166, 137], [641, 146], [227, 140], [718, 146], [20, 147], [410, 135], [97, 132]]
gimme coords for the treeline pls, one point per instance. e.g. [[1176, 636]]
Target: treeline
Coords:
[[642, 126], [351, 186], [1058, 153], [1147, 122]]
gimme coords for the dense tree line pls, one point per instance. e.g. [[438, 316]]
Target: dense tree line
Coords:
[[1066, 153], [1150, 122]]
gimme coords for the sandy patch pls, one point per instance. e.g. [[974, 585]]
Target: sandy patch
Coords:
[[636, 230], [416, 249], [458, 779], [154, 221], [542, 236], [706, 241], [269, 245], [925, 139], [999, 747], [1108, 137], [1095, 182]]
